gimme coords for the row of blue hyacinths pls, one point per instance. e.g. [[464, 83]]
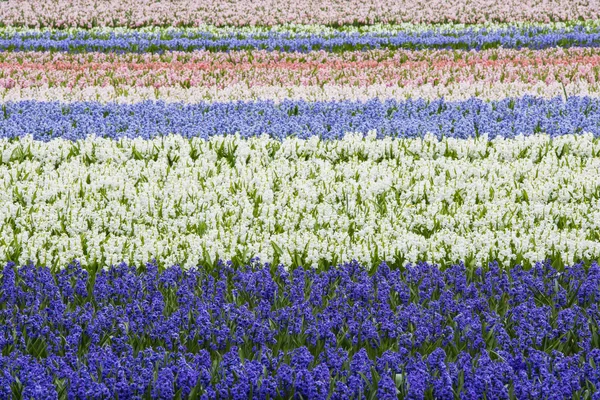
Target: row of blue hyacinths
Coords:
[[534, 37], [261, 331], [328, 120]]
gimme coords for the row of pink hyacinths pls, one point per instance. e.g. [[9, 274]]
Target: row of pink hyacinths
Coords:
[[382, 67], [136, 13]]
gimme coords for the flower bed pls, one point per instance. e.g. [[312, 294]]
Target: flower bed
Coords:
[[136, 13], [305, 202], [261, 331], [412, 118], [408, 194], [315, 76], [158, 41]]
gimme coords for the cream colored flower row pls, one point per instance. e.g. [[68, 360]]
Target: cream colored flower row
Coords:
[[236, 92], [137, 13], [305, 201], [294, 29]]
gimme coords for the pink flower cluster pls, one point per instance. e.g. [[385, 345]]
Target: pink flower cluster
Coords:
[[136, 13], [261, 68]]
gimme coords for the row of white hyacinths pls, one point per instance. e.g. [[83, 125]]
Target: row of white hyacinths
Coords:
[[453, 92], [310, 202], [294, 30]]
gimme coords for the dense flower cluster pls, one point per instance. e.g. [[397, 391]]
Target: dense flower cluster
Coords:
[[293, 30], [385, 68], [315, 93], [457, 38], [136, 13], [299, 118], [316, 76], [260, 331], [308, 202], [463, 133]]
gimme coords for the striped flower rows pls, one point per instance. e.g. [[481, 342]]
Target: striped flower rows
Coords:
[[337, 199], [316, 76], [399, 68]]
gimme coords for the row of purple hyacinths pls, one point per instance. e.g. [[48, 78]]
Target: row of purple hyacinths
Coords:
[[535, 37], [329, 120], [261, 331]]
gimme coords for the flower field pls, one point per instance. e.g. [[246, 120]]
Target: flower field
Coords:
[[308, 200]]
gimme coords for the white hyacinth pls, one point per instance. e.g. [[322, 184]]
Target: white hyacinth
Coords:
[[300, 201]]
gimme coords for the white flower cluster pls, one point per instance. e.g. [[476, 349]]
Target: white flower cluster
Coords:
[[294, 30], [328, 92], [189, 201]]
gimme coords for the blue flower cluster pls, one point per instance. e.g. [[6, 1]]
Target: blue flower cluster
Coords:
[[261, 331], [534, 37], [328, 120]]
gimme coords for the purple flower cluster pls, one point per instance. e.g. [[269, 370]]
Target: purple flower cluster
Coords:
[[534, 37], [329, 120], [261, 331]]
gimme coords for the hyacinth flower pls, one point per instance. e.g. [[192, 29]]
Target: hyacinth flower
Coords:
[[306, 134], [461, 38], [411, 118], [300, 202], [256, 14], [201, 76], [261, 331]]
